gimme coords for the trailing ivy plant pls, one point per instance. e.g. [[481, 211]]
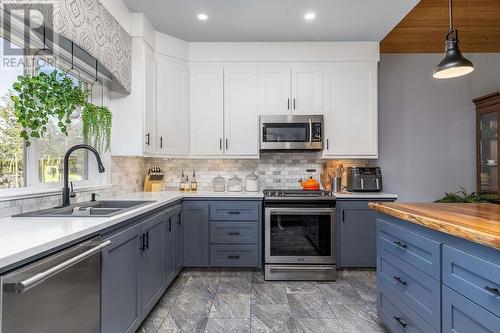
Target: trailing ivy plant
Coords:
[[97, 121], [42, 96]]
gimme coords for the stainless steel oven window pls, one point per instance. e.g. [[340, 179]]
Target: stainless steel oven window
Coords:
[[315, 259]]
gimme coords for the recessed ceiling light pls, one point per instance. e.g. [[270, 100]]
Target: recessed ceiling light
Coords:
[[310, 16], [202, 17]]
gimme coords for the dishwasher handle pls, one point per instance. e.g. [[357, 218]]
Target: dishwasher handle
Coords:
[[26, 284]]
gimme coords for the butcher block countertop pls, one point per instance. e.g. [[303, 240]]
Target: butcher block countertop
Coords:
[[476, 222]]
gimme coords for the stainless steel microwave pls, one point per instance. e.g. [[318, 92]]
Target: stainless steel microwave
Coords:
[[291, 132]]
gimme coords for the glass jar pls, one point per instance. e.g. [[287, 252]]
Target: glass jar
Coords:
[[252, 182], [234, 184], [219, 184]]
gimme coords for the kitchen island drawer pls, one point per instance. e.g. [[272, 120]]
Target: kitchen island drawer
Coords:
[[398, 316], [241, 232], [420, 251], [234, 211], [418, 290], [474, 277], [461, 315], [233, 255]]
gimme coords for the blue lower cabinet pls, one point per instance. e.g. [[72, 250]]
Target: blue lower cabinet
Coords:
[[472, 276], [229, 232], [398, 316], [120, 282], [233, 255], [418, 290], [196, 233], [416, 249], [461, 315]]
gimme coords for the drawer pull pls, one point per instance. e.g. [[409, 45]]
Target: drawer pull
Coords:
[[233, 233], [401, 322], [233, 257], [234, 213], [494, 291], [401, 245], [400, 280]]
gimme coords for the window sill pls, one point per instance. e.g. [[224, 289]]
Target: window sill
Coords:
[[27, 193]]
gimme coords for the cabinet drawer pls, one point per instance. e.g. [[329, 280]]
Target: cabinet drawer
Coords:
[[418, 290], [398, 316], [476, 278], [229, 255], [417, 250], [234, 211], [234, 232], [461, 315]]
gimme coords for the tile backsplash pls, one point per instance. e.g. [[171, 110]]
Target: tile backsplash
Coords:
[[275, 170]]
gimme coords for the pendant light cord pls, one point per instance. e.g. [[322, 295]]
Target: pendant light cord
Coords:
[[451, 14]]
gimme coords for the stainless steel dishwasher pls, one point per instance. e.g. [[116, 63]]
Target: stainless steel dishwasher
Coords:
[[58, 294]]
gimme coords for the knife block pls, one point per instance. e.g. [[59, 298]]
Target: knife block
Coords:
[[154, 182]]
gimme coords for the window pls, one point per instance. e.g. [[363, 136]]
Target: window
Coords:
[[12, 150], [40, 164]]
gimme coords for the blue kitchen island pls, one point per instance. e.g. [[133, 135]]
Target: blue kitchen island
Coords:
[[438, 267]]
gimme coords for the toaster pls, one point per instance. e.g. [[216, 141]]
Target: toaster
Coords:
[[364, 179]]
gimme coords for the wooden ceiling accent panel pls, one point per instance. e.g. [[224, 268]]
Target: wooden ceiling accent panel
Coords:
[[423, 30]]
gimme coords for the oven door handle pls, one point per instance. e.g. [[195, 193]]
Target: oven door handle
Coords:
[[302, 268], [300, 211]]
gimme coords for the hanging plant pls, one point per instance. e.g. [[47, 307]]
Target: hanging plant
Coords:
[[97, 121], [43, 96]]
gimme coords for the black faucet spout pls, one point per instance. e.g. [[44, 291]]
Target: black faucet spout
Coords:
[[66, 190]]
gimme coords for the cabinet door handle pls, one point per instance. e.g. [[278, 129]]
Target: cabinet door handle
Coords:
[[233, 257], [161, 142], [343, 215], [233, 233], [401, 245], [327, 145], [170, 225], [288, 107], [220, 144], [400, 280], [401, 322], [148, 136], [143, 245], [227, 143], [494, 291], [294, 103], [147, 240], [180, 219], [234, 213]]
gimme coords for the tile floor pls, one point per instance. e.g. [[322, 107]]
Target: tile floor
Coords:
[[230, 300]]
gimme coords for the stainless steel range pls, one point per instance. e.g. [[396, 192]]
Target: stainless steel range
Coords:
[[299, 235]]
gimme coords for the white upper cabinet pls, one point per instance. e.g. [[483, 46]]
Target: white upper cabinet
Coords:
[[307, 89], [275, 89], [351, 113], [241, 110], [206, 109], [150, 144], [287, 88], [172, 106]]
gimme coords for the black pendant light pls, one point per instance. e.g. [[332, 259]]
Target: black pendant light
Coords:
[[454, 64]]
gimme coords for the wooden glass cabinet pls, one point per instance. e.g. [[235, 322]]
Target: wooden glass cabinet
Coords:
[[488, 149]]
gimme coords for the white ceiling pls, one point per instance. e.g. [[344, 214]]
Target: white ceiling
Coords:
[[274, 20]]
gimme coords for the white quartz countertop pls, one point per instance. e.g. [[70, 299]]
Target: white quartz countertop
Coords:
[[22, 238], [364, 195]]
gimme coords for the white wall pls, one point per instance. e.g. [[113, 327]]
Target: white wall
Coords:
[[427, 126]]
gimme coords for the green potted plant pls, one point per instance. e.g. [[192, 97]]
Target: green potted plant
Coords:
[[42, 96], [463, 196]]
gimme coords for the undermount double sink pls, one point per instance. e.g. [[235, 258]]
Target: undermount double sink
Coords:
[[89, 209]]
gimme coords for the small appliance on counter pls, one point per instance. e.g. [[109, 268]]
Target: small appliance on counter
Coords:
[[154, 179], [364, 179]]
